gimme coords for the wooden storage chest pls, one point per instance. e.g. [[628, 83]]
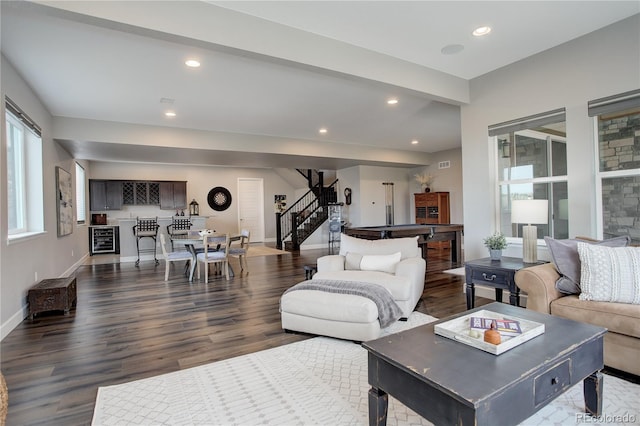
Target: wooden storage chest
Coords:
[[56, 294]]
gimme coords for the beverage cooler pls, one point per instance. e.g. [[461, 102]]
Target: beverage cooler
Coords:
[[104, 239]]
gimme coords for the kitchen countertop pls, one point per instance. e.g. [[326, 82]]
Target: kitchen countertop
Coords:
[[133, 219]]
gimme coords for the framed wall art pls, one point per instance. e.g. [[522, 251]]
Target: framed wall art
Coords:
[[64, 202]]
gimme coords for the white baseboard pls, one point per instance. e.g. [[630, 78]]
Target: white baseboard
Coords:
[[75, 266], [17, 318], [313, 246]]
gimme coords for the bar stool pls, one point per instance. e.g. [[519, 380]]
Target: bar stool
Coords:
[[146, 228], [179, 226]]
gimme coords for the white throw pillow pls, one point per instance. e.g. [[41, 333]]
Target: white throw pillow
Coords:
[[408, 246], [610, 274], [352, 261], [372, 262]]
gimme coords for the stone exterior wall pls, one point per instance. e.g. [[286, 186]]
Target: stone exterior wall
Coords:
[[619, 143], [531, 151]]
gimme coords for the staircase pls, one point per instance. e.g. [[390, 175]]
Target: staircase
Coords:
[[308, 213]]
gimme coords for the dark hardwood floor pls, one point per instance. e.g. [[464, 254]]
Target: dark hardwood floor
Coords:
[[130, 324]]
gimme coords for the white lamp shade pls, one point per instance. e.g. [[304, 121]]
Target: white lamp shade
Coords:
[[529, 211]]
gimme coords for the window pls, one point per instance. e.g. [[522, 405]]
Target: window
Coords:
[[81, 214], [25, 204], [618, 127], [17, 214], [532, 164]]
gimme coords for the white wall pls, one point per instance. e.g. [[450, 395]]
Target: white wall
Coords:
[[445, 180], [373, 210], [368, 199], [45, 255], [368, 194], [603, 63], [200, 180], [350, 178]]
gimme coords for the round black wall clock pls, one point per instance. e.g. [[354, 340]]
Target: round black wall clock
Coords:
[[219, 198]]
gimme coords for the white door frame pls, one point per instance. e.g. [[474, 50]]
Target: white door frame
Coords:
[[257, 232]]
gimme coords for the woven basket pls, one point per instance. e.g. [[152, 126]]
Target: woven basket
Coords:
[[4, 400]]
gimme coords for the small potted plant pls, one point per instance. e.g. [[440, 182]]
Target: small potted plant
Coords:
[[495, 243]]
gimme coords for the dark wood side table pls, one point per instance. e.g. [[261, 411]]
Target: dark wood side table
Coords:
[[310, 270], [498, 274]]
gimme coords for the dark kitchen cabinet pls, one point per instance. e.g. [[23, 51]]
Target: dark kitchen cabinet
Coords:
[[173, 195], [105, 195], [141, 193]]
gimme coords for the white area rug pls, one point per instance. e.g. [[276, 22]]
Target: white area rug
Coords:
[[456, 271], [320, 381]]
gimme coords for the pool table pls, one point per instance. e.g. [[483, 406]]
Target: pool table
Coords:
[[427, 233]]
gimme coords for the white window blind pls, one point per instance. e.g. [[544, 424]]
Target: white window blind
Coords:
[[81, 213], [25, 195], [615, 103], [530, 122]]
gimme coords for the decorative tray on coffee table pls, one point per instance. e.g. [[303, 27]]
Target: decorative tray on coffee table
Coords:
[[459, 330]]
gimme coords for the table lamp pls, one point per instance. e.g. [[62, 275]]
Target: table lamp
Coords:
[[529, 211]]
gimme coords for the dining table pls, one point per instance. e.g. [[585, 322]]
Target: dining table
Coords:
[[193, 242]]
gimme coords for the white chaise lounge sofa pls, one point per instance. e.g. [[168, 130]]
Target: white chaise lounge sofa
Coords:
[[395, 264]]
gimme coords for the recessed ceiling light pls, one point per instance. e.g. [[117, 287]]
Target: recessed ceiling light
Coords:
[[414, 142], [170, 114], [323, 131], [452, 49], [481, 31], [192, 63], [392, 101]]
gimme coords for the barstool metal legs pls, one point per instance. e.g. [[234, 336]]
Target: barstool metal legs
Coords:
[[146, 228], [154, 249]]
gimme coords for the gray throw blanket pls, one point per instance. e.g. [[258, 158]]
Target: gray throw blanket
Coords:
[[388, 309]]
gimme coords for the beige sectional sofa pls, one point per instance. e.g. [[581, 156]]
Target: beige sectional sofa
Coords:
[[622, 341]]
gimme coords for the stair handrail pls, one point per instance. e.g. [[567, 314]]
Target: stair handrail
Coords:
[[288, 221], [314, 177]]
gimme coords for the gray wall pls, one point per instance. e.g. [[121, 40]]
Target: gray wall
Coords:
[[445, 180], [200, 180], [52, 257], [602, 63], [44, 255]]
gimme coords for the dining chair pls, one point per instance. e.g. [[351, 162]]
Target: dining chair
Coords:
[[217, 257], [241, 252], [172, 256]]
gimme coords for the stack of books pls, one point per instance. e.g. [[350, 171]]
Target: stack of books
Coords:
[[505, 327]]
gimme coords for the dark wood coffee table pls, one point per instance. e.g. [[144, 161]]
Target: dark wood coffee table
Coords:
[[449, 382]]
